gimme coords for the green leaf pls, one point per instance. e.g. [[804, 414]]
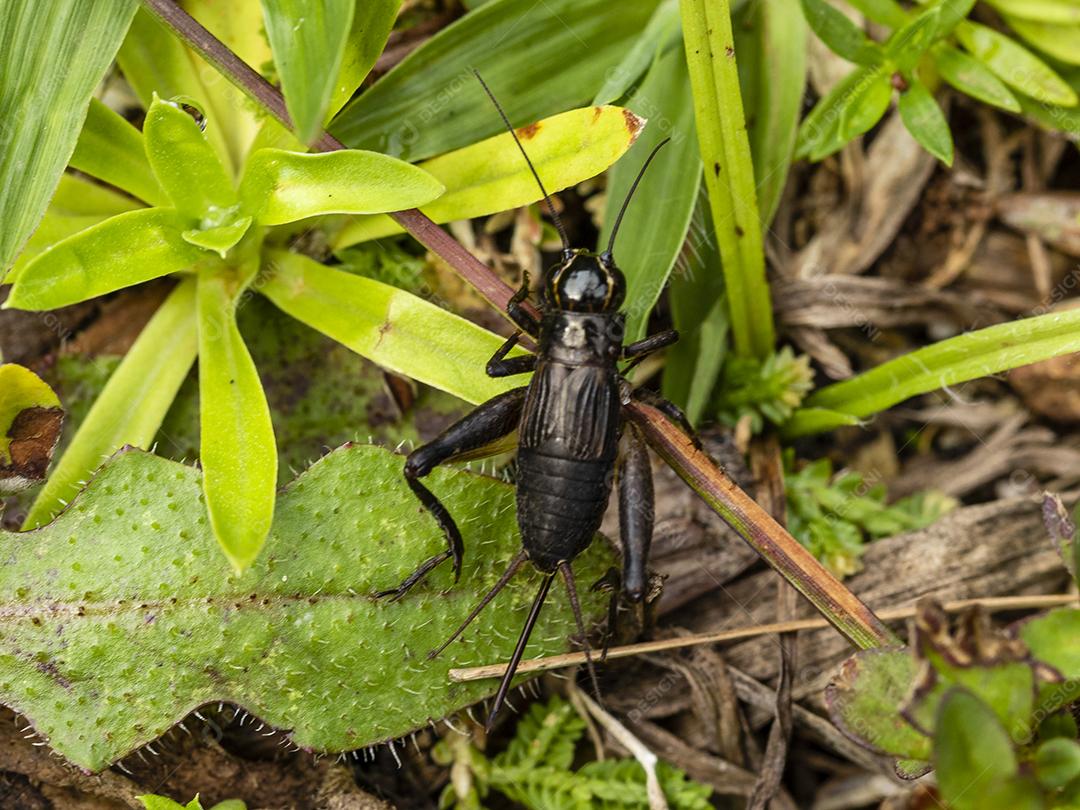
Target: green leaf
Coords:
[[30, 421], [492, 176], [729, 172], [820, 133], [1015, 65], [970, 76], [111, 149], [124, 250], [220, 238], [864, 701], [78, 204], [651, 236], [163, 803], [238, 453], [972, 750], [663, 27], [540, 58], [308, 40], [771, 41], [371, 25], [131, 566], [154, 61], [1059, 41], [926, 122], [884, 12], [1051, 640], [51, 57], [909, 43], [185, 164], [281, 186], [399, 331], [840, 34], [866, 106], [133, 404], [1050, 11], [951, 13], [1057, 762], [959, 359]]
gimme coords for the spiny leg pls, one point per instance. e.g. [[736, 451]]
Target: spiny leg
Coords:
[[524, 319], [670, 410], [519, 650], [610, 583], [575, 605], [508, 574], [499, 366], [494, 419]]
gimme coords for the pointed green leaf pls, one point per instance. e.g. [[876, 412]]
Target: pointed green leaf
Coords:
[[840, 34], [281, 186], [220, 238], [133, 567], [396, 329], [969, 75], [492, 176], [308, 40], [185, 164], [866, 106], [127, 249], [52, 56], [111, 149], [1050, 11], [539, 58], [926, 122], [133, 404], [651, 237], [951, 12], [1015, 65], [1051, 640], [965, 357], [78, 204], [238, 452], [972, 751], [371, 25], [1059, 41], [884, 12], [663, 26], [906, 47]]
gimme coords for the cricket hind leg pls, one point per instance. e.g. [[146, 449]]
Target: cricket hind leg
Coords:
[[522, 318], [496, 418]]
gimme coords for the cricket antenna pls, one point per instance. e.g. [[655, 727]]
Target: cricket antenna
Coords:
[[511, 569], [547, 197], [571, 591], [515, 659], [630, 194]]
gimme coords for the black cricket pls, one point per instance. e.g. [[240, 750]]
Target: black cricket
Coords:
[[571, 434]]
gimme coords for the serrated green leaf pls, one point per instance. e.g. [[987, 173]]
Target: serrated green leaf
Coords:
[[1015, 65], [308, 40], [121, 251], [662, 28], [185, 164], [1050, 11], [972, 750], [970, 76], [651, 237], [492, 176], [906, 47], [238, 452], [51, 57], [866, 106], [78, 204], [840, 34], [1059, 41], [1057, 762], [965, 357], [926, 122], [371, 25], [391, 327], [281, 186], [864, 700], [111, 149], [132, 565], [430, 103], [133, 404]]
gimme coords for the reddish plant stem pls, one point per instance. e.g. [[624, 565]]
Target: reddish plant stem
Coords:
[[783, 552]]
